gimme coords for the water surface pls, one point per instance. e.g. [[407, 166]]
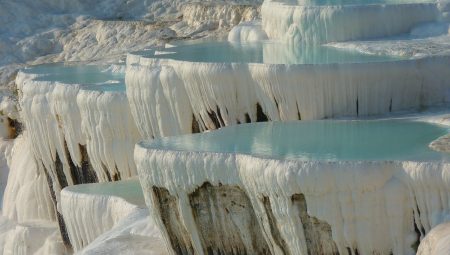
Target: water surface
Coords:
[[129, 190], [93, 77], [317, 140], [267, 52]]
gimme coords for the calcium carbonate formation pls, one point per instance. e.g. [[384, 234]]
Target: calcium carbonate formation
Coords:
[[78, 134], [213, 95], [81, 125], [106, 204], [437, 241], [224, 202], [334, 23]]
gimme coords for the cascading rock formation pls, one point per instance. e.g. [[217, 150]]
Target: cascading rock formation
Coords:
[[162, 153]]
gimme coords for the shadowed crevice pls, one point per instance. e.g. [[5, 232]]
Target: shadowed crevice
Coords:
[[357, 107], [195, 125], [260, 115], [167, 205], [90, 176], [15, 128], [59, 171], [85, 173], [213, 116], [59, 217]]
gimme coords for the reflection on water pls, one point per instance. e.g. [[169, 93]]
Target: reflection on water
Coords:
[[321, 140], [267, 52]]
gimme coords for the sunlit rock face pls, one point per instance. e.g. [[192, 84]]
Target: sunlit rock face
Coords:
[[205, 86], [79, 126], [329, 21], [28, 221], [5, 156], [218, 15], [290, 188], [87, 108], [297, 188], [247, 32], [27, 195], [106, 204], [437, 241]]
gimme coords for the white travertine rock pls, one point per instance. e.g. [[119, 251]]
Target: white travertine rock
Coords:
[[36, 238], [135, 234], [219, 14], [167, 97], [247, 32], [436, 242], [107, 204], [110, 133], [27, 196], [335, 23], [65, 118], [5, 160], [371, 207]]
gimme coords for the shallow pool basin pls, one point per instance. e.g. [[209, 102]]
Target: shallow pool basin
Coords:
[[297, 183], [336, 140]]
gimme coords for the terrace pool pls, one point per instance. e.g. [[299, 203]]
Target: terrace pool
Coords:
[[268, 52], [130, 190], [317, 140], [95, 77]]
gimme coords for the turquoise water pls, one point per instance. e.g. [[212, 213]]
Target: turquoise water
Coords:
[[349, 2], [93, 77], [266, 52], [112, 87], [129, 190], [317, 140]]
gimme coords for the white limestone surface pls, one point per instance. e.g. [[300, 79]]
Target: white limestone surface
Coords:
[[334, 23], [436, 242], [169, 97], [27, 223], [63, 118], [379, 193], [214, 17], [33, 238], [27, 196], [247, 32], [424, 40], [134, 234], [372, 207], [107, 204], [5, 158], [110, 133]]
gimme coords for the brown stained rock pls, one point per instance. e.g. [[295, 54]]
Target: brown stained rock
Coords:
[[226, 221], [442, 144], [180, 239]]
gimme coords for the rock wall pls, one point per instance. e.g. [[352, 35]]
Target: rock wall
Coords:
[[169, 97], [76, 136], [334, 23], [371, 207], [106, 205]]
